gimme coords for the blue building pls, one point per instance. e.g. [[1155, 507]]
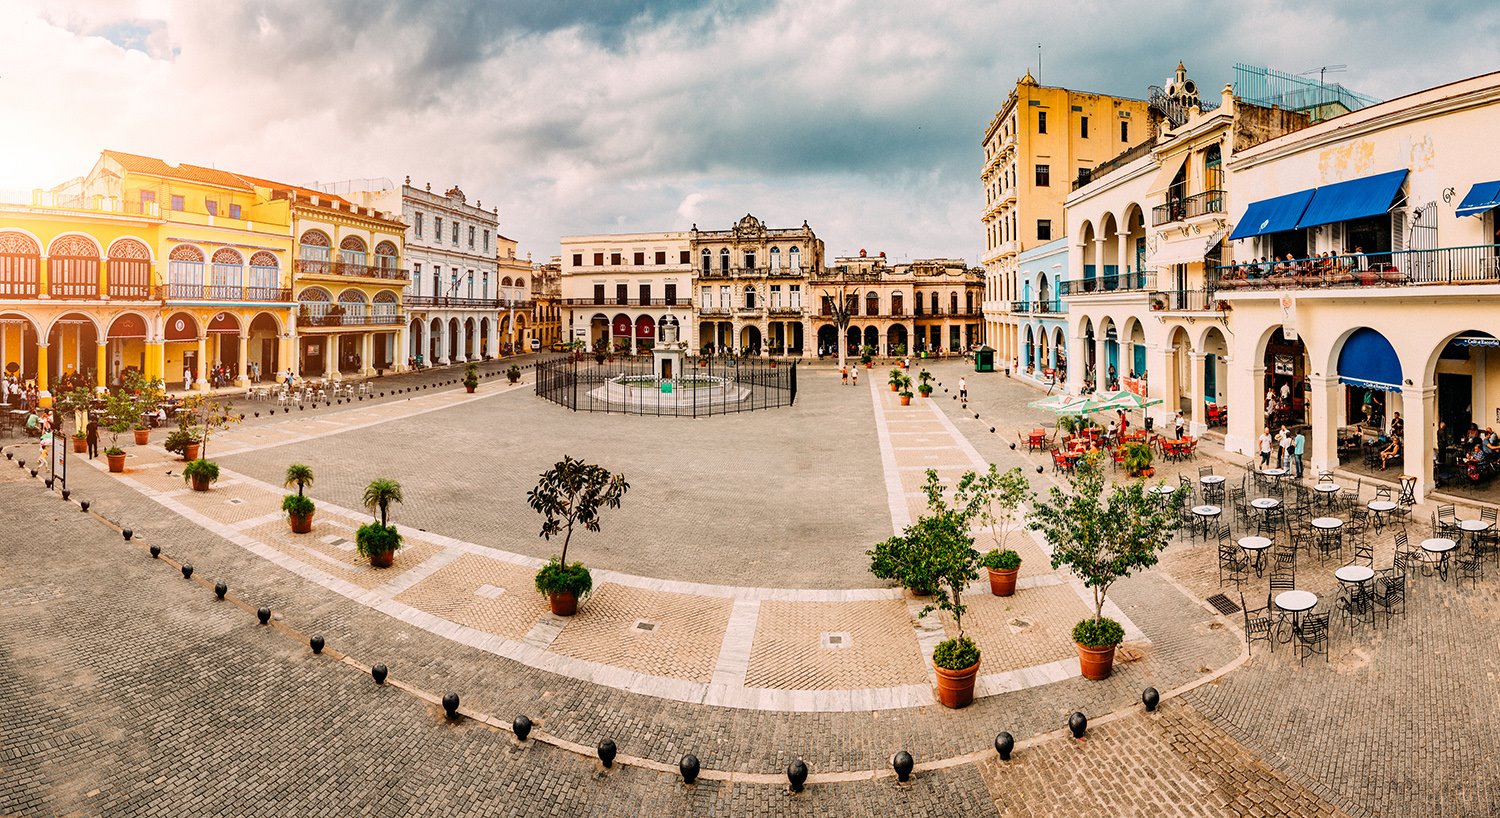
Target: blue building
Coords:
[[1042, 312]]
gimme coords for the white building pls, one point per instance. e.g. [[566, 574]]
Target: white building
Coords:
[[616, 288], [452, 303]]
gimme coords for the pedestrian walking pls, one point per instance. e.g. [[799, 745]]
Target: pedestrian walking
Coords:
[[1299, 445], [854, 376], [843, 376], [91, 433], [1178, 422], [1284, 460], [963, 389], [187, 379], [1265, 448]]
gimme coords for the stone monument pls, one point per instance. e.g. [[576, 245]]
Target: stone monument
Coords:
[[667, 356]]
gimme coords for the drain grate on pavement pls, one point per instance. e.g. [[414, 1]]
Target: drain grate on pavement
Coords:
[[644, 625], [1223, 604]]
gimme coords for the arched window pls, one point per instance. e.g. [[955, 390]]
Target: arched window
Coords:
[[934, 300], [313, 304], [353, 302], [795, 260], [313, 252], [265, 277], [386, 257], [952, 303], [969, 302], [724, 260], [708, 261], [775, 259], [387, 306], [73, 264], [749, 298], [185, 272], [872, 303], [20, 261], [228, 275], [129, 269], [897, 307], [352, 254]]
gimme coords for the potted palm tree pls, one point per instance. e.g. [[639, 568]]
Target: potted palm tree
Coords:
[[376, 540], [866, 356], [925, 387], [299, 507], [200, 473], [935, 557], [1137, 456], [1103, 539], [570, 494], [895, 379], [471, 376]]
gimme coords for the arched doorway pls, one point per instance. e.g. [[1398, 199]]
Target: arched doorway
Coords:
[[828, 340], [895, 339], [1028, 350], [872, 339], [435, 346], [1059, 352], [1461, 370], [853, 341], [1283, 395], [1090, 362], [414, 341], [181, 350], [264, 348], [1215, 371], [599, 331], [125, 347], [620, 329], [223, 349], [484, 336], [645, 333], [750, 340], [72, 345], [455, 341], [1370, 372], [471, 335], [18, 344]]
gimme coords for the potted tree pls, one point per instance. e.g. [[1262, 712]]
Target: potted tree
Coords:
[[570, 494], [119, 413], [1103, 539], [994, 500], [1137, 457], [925, 387], [471, 377], [601, 351], [76, 400], [895, 379], [299, 507], [867, 356], [145, 396], [513, 374], [199, 416], [200, 473], [375, 540], [935, 557], [905, 396]]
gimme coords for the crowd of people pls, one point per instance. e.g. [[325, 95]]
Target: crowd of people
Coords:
[[1325, 263]]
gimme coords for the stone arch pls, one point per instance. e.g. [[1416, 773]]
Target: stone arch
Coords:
[[74, 246], [521, 282], [180, 326], [129, 248], [505, 282], [385, 248], [73, 266], [314, 295], [264, 259], [314, 238]]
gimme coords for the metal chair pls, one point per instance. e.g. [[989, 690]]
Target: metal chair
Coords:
[[1469, 566], [1390, 592], [1364, 554], [1204, 471], [1312, 637], [1260, 623], [1232, 563]]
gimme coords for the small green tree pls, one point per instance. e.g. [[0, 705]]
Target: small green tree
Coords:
[[1102, 538], [201, 415], [145, 394], [301, 476], [994, 499], [572, 493], [119, 416], [380, 495]]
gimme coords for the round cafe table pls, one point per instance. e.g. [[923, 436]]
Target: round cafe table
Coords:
[[1255, 548], [1328, 523], [1436, 550], [1273, 472], [1475, 526], [1211, 479], [1206, 513], [1296, 602], [1265, 503], [1357, 576], [1381, 508]]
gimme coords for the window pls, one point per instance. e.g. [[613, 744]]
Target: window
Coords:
[[1044, 230], [485, 291], [577, 259], [1043, 175], [622, 293], [486, 240], [234, 211], [418, 226], [775, 296], [211, 206], [645, 294], [1124, 130], [598, 259], [684, 257], [455, 234], [671, 294], [1041, 121], [661, 256], [796, 295], [177, 203], [148, 197], [471, 283], [614, 259], [724, 260], [796, 260], [598, 293], [1083, 125], [708, 261], [416, 279], [775, 259], [750, 298], [471, 237], [437, 272], [750, 261], [437, 228], [640, 259], [706, 298], [724, 296]]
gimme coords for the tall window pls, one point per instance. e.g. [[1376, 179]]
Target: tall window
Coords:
[[750, 260], [471, 283], [775, 296], [724, 296], [708, 261], [437, 277], [1213, 168], [484, 291], [1044, 230], [671, 294], [775, 259], [471, 237], [750, 298], [706, 298], [437, 228], [1083, 125], [455, 234], [1041, 121], [796, 296], [577, 259], [211, 206], [795, 260], [645, 294], [622, 293], [486, 240], [724, 260], [1043, 175], [598, 293], [417, 226], [1124, 130], [661, 256], [416, 279]]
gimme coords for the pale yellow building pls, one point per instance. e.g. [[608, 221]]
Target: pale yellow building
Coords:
[[751, 282]]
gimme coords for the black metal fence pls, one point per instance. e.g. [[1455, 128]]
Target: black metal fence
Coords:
[[704, 387]]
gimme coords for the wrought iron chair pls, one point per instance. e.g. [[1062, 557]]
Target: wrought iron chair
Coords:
[[1260, 623], [1312, 637]]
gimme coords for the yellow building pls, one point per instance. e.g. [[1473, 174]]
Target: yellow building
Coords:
[[546, 299], [516, 320], [347, 280], [167, 269], [1035, 147]]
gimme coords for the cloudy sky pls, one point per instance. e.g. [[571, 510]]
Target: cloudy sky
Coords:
[[579, 116]]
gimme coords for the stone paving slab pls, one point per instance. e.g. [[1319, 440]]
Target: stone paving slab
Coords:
[[662, 634], [872, 647]]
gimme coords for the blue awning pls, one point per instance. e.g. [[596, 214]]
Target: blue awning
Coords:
[[1354, 199], [1272, 215], [1368, 360], [1482, 198]]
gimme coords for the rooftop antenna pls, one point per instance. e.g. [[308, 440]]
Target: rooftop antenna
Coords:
[[1039, 63], [1324, 70]]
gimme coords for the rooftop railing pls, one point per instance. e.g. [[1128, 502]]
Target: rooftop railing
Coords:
[[1476, 264]]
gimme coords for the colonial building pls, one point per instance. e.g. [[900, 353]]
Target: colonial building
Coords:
[[166, 269], [347, 280], [452, 301], [1041, 272], [615, 289], [516, 321], [1034, 148], [751, 280], [927, 305], [546, 297]]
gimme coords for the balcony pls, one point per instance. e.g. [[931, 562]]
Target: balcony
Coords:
[[1107, 283], [713, 311], [1038, 307], [314, 267], [1186, 301], [307, 318], [224, 292], [1199, 204], [451, 302], [1477, 264], [780, 309], [627, 302]]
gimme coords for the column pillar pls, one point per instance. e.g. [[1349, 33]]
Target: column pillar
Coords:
[[156, 359], [1419, 409], [331, 357], [1323, 418], [1159, 360], [1074, 385], [1123, 254], [244, 367], [101, 362], [42, 351], [365, 356], [403, 345], [44, 280], [1101, 360], [201, 383], [1099, 262], [1197, 381]]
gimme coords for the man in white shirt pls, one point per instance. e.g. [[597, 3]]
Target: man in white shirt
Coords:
[[1265, 448]]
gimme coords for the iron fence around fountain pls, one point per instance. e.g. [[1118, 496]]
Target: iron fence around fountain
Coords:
[[707, 386]]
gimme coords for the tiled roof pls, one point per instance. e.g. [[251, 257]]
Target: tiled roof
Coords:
[[302, 192], [133, 163]]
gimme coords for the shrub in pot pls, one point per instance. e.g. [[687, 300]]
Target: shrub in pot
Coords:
[[513, 374], [1102, 539], [471, 376], [299, 507], [1137, 457], [80, 443], [1003, 567], [895, 379], [568, 495], [183, 442], [376, 540], [142, 433], [935, 556], [200, 473], [905, 396]]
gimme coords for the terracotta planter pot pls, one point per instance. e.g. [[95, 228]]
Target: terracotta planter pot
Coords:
[[870, 365], [925, 394], [200, 484], [956, 687], [1003, 580], [116, 462], [301, 524], [142, 436], [564, 603], [893, 387], [1096, 663], [192, 451], [469, 389], [383, 559], [905, 400], [80, 445]]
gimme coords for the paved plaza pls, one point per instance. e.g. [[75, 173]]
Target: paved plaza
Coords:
[[738, 552]]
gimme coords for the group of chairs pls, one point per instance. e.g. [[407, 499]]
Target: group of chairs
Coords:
[[311, 392]]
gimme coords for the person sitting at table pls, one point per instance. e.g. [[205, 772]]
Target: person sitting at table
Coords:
[[1389, 453]]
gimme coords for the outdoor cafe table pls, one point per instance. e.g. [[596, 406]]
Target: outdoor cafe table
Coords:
[[1296, 602], [1265, 503], [1328, 523], [1381, 509], [1437, 549], [1327, 490], [1356, 575], [1206, 513], [1256, 548], [1273, 472]]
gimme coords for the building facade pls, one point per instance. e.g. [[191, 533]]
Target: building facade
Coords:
[[923, 306], [546, 298], [1041, 272], [516, 322], [751, 281], [1033, 150], [452, 300], [615, 289]]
